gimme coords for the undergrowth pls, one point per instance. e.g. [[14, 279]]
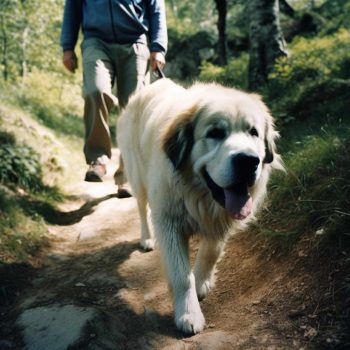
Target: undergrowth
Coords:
[[19, 164], [21, 236], [309, 94], [234, 74], [314, 195], [40, 150], [315, 74], [22, 232]]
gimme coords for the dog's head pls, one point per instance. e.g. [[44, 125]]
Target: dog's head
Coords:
[[227, 139]]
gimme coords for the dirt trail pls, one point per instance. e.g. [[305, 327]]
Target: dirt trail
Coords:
[[98, 290]]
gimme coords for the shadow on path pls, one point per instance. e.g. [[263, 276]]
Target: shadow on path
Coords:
[[57, 217], [90, 280]]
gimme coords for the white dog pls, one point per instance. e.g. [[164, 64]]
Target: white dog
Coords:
[[200, 158]]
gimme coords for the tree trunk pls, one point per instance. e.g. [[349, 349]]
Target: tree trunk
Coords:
[[266, 40], [24, 67], [4, 49], [221, 6]]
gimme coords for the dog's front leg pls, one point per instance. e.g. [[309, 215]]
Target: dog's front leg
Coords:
[[147, 240], [204, 269], [174, 249]]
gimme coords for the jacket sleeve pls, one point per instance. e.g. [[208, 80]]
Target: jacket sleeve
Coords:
[[72, 18], [158, 35]]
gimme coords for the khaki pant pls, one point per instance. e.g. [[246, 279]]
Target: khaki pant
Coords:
[[103, 66]]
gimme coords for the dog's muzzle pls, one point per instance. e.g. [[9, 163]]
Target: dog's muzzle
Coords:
[[235, 198], [245, 166]]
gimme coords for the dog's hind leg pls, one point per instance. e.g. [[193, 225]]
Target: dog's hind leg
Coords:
[[147, 239], [174, 249], [204, 269], [119, 175], [120, 179]]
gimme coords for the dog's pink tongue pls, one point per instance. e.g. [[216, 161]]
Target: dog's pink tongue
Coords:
[[239, 205]]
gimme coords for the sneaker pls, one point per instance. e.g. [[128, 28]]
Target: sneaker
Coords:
[[95, 172]]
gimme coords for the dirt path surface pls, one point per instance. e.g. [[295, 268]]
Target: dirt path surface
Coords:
[[99, 290]]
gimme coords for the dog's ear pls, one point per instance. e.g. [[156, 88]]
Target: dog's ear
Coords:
[[178, 138], [269, 153], [270, 136], [270, 133]]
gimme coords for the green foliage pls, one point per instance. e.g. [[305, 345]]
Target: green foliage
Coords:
[[54, 100], [314, 195], [234, 74], [310, 96], [337, 13], [187, 17], [19, 164], [300, 5], [237, 22], [312, 63], [20, 236], [29, 36], [314, 60]]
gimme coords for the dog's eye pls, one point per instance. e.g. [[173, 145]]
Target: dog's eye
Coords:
[[253, 132], [216, 133]]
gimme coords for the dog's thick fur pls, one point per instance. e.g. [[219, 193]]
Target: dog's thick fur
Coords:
[[201, 158]]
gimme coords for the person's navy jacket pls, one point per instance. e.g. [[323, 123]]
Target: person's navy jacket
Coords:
[[115, 21]]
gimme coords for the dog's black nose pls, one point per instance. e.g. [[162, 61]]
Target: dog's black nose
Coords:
[[245, 166]]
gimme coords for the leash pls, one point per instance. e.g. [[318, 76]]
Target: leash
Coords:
[[159, 73]]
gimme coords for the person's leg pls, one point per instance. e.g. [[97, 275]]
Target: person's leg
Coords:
[[98, 74], [131, 70]]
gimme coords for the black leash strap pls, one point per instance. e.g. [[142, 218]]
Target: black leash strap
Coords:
[[159, 73]]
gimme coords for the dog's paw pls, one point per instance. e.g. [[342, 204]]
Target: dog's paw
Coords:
[[191, 323], [147, 244], [188, 314], [203, 288]]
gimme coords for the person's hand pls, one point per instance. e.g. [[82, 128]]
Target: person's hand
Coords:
[[70, 60], [157, 59]]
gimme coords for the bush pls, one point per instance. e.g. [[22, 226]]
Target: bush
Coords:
[[19, 164], [337, 13], [314, 59], [312, 63], [235, 74]]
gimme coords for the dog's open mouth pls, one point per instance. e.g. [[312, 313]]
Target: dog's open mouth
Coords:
[[236, 199]]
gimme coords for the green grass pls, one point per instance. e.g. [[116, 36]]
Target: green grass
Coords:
[[313, 197], [21, 236], [309, 96], [41, 151], [63, 122]]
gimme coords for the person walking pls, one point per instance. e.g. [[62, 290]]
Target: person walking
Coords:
[[121, 39]]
